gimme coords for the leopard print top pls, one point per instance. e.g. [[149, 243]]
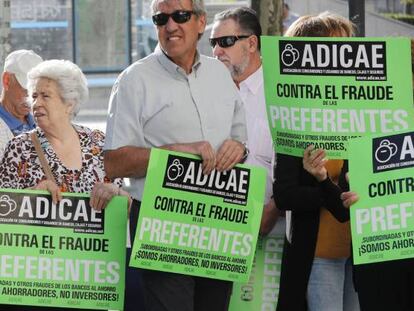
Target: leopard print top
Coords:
[[21, 168]]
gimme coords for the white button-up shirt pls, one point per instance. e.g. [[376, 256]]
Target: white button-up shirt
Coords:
[[259, 138]]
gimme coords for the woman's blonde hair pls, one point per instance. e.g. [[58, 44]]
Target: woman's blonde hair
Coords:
[[325, 24]]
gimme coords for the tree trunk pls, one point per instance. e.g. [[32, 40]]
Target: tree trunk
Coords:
[[270, 15], [4, 31]]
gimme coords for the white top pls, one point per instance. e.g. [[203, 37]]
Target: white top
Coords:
[[154, 103], [260, 141]]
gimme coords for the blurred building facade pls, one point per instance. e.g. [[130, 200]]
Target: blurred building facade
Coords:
[[104, 36]]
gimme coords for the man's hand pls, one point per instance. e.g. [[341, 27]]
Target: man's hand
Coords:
[[230, 153], [206, 151], [102, 194], [201, 148], [314, 162]]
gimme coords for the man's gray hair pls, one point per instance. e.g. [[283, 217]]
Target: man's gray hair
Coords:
[[246, 18], [72, 83], [198, 6]]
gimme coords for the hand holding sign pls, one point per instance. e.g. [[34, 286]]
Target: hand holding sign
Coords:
[[229, 154], [314, 162], [50, 186], [201, 148], [349, 198], [102, 194]]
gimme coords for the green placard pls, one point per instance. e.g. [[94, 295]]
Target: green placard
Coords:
[[64, 255], [196, 224], [382, 220], [261, 292], [324, 91]]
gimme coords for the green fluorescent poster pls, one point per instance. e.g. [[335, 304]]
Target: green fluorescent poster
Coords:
[[324, 91], [261, 292], [381, 171], [64, 255], [195, 224]]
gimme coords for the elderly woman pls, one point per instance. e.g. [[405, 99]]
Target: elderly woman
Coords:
[[73, 154], [316, 272]]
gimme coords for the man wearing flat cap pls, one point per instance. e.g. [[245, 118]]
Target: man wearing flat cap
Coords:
[[15, 117]]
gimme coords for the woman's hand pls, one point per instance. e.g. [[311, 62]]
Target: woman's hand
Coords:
[[50, 186], [314, 162], [102, 193], [349, 198]]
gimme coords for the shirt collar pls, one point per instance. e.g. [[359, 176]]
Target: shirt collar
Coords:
[[254, 81], [15, 125], [172, 67]]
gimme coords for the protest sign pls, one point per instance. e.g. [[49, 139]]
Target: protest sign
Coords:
[[261, 292], [324, 91], [382, 220], [61, 255], [196, 224]]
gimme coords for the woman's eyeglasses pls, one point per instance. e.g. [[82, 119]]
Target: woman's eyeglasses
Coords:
[[180, 17], [226, 41]]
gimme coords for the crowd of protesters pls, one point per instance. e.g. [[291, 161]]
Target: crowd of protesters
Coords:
[[179, 100]]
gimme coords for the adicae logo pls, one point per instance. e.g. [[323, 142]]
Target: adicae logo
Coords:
[[175, 170], [7, 205], [385, 151], [289, 55]]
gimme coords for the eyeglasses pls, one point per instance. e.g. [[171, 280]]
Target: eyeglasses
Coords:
[[226, 41], [180, 17]]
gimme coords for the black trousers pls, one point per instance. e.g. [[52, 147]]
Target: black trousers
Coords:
[[385, 286], [176, 292]]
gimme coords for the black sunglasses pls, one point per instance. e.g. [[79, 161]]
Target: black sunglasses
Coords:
[[225, 42], [180, 17]]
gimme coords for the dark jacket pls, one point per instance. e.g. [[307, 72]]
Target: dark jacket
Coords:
[[297, 191]]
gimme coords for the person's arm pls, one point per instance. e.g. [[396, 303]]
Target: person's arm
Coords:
[[51, 187], [314, 161], [270, 211], [130, 161], [332, 195], [17, 164], [348, 198], [125, 150], [102, 194], [297, 190], [294, 189], [343, 181], [230, 153], [269, 217]]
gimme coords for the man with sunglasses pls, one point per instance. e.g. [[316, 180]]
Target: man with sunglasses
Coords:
[[235, 40], [179, 100]]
